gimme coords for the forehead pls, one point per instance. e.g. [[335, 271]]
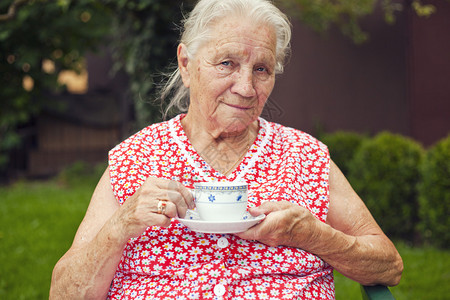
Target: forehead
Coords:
[[237, 35]]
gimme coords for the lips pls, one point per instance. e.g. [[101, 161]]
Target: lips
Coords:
[[237, 106]]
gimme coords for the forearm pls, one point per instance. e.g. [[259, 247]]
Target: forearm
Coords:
[[367, 259], [87, 272], [351, 241]]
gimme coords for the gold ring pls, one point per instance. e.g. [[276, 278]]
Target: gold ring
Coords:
[[162, 207]]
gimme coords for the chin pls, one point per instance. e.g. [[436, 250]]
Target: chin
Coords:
[[237, 124]]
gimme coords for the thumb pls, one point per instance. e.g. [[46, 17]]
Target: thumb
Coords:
[[265, 208]]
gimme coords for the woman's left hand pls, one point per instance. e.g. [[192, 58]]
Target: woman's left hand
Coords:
[[351, 240], [286, 224]]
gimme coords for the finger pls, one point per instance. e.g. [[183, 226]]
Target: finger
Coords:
[[265, 208], [256, 211], [178, 187], [165, 208], [187, 195], [180, 205], [175, 198], [251, 233], [170, 190], [161, 220]]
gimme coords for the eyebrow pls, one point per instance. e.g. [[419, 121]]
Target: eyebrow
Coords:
[[232, 52]]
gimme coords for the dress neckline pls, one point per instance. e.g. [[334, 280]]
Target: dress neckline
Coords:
[[206, 171]]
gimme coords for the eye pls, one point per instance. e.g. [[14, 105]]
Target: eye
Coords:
[[226, 63], [263, 72]]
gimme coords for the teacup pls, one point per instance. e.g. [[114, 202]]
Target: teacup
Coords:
[[221, 201]]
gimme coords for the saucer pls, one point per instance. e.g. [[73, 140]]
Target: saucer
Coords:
[[193, 221]]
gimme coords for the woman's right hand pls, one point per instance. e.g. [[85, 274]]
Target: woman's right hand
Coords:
[[86, 270], [141, 209]]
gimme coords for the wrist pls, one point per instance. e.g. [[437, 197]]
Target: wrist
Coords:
[[327, 241], [116, 233]]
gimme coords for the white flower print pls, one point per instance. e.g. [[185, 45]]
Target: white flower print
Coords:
[[255, 256], [196, 251], [292, 166]]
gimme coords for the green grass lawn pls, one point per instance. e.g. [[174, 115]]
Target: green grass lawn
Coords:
[[38, 221], [426, 275], [37, 224]]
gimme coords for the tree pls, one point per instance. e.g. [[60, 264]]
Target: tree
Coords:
[[33, 33], [346, 14], [144, 42], [142, 34]]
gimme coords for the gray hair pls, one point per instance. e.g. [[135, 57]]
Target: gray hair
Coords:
[[196, 30]]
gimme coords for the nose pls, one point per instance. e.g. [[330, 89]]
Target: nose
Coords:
[[244, 84]]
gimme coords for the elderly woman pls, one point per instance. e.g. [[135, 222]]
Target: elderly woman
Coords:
[[130, 244]]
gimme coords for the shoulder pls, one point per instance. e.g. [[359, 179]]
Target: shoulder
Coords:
[[136, 151], [130, 162], [141, 141]]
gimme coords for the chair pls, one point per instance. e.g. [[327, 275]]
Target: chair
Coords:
[[376, 292]]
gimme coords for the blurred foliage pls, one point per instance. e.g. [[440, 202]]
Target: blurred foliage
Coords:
[[142, 35], [385, 173], [80, 172], [321, 14], [406, 188], [343, 146], [144, 42], [41, 31], [434, 194], [346, 14]]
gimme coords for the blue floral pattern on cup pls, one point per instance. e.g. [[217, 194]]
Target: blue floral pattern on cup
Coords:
[[221, 201], [216, 194], [211, 198]]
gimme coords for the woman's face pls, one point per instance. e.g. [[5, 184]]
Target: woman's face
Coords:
[[231, 76]]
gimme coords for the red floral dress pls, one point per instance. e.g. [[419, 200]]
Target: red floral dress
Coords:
[[177, 263]]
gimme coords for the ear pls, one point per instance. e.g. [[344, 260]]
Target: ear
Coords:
[[183, 61]]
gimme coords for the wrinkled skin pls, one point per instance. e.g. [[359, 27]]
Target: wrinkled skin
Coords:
[[230, 80]]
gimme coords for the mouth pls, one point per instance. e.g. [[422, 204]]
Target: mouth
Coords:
[[237, 106]]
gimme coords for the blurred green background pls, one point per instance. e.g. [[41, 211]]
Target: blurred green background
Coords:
[[42, 43], [38, 220]]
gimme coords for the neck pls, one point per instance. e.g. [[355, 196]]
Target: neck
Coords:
[[221, 150]]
